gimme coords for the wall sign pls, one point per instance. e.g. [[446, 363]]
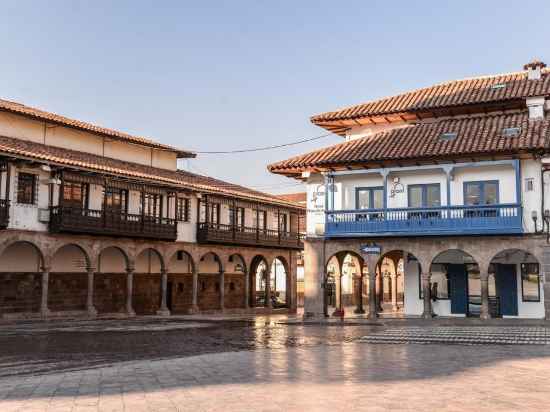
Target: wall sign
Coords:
[[396, 188], [371, 249]]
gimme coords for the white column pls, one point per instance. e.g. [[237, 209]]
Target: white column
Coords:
[[90, 295], [163, 311]]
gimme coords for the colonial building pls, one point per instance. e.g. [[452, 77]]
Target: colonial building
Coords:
[[98, 222], [436, 203]]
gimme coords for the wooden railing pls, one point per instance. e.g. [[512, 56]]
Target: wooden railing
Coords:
[[4, 213], [242, 235], [100, 222], [451, 220]]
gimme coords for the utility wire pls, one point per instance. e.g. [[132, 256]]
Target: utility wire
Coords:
[[258, 149]]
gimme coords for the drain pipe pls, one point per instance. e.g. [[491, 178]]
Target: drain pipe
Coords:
[[542, 207]]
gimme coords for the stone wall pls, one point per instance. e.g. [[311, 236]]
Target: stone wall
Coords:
[[67, 291], [146, 297], [110, 292], [209, 292], [181, 293], [234, 291], [20, 292]]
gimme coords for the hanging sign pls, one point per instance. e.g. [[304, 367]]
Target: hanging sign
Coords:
[[371, 249]]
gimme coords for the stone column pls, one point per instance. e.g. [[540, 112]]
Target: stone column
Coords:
[[338, 295], [373, 312], [44, 311], [545, 279], [427, 313], [195, 298], [129, 291], [222, 290], [394, 292], [90, 296], [380, 291], [485, 312], [269, 303], [163, 311], [359, 308], [246, 289], [314, 279]]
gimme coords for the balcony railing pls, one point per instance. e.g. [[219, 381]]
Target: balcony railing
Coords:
[[444, 220], [100, 222], [242, 235], [4, 213]]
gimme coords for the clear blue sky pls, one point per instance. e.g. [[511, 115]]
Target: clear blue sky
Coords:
[[222, 75]]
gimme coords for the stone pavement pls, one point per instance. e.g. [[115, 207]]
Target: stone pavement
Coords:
[[275, 367]]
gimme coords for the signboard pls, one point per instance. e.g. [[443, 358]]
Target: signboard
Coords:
[[371, 249]]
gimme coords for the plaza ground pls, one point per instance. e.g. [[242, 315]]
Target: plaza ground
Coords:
[[231, 364]]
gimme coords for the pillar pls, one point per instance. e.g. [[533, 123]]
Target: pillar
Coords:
[[380, 291], [222, 290], [44, 311], [246, 289], [359, 308], [314, 279], [129, 291], [268, 302], [545, 279], [485, 312], [163, 311], [195, 291], [90, 308], [373, 313], [394, 291], [427, 313], [338, 306]]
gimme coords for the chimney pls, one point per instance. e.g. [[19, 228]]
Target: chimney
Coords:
[[534, 69], [536, 107]]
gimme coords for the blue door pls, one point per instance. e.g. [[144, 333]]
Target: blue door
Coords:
[[506, 283], [458, 277]]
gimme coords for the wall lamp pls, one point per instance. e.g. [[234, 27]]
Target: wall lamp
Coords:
[[545, 223]]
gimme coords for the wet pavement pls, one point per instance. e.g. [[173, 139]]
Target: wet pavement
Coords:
[[201, 364]]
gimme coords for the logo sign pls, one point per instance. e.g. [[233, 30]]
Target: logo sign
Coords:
[[371, 249], [396, 188]]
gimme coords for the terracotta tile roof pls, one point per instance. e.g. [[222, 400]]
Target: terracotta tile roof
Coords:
[[27, 111], [177, 179], [476, 135], [299, 198], [497, 88]]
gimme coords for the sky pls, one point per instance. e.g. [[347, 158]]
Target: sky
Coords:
[[229, 75]]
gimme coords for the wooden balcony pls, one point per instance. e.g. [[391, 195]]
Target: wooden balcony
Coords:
[[99, 222], [238, 235], [4, 213], [445, 220]]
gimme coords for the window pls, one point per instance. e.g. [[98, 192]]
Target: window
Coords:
[[424, 195], [259, 219], [530, 282], [152, 204], [481, 193], [183, 209], [369, 198], [529, 184], [214, 210], [236, 217], [283, 223], [116, 200], [511, 131], [75, 194], [448, 136], [440, 282], [26, 188]]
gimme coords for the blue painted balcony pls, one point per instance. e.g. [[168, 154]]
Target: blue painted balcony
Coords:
[[445, 220]]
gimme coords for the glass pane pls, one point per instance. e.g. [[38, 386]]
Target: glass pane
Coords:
[[530, 286], [363, 199], [473, 194], [378, 198], [491, 193], [433, 196], [415, 196]]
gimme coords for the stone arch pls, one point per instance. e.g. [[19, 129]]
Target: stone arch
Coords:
[[110, 280], [179, 290], [455, 283], [240, 259], [87, 259], [119, 252], [342, 281], [280, 291], [391, 269], [518, 288], [235, 282], [147, 281], [21, 265], [210, 268], [149, 260], [259, 269]]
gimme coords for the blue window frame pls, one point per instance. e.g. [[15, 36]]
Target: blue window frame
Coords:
[[368, 198], [424, 195], [483, 192]]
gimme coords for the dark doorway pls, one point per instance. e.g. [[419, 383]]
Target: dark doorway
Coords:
[[507, 288], [169, 287], [458, 277]]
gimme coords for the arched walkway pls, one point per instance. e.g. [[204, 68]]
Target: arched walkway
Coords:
[[515, 284], [455, 284], [259, 270], [21, 266], [209, 282], [146, 296], [280, 283], [344, 283], [390, 282], [235, 282], [68, 281], [180, 282], [110, 281]]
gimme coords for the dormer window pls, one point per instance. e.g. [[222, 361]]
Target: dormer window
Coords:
[[498, 86], [448, 136], [511, 131]]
